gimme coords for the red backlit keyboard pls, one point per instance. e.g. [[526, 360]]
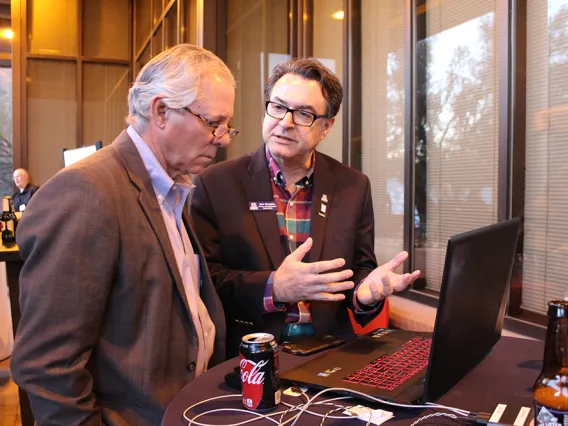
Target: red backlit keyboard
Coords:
[[390, 371]]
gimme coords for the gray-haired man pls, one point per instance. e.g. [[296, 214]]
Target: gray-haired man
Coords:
[[118, 309]]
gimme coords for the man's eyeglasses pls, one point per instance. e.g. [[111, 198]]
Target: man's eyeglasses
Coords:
[[219, 130], [299, 116]]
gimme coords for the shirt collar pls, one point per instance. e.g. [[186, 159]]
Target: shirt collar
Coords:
[[278, 177], [161, 182]]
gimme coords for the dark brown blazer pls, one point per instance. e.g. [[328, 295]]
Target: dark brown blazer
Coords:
[[105, 335], [243, 247]]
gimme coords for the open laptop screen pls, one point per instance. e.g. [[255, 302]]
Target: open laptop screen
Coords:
[[469, 321], [476, 278]]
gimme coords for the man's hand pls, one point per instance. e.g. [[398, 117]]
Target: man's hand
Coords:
[[295, 281], [383, 281]]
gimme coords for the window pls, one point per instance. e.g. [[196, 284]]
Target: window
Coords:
[[382, 88], [51, 114], [71, 76], [327, 36], [257, 40], [6, 149], [457, 134], [466, 91], [545, 236]]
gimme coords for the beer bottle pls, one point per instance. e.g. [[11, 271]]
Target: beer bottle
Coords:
[[550, 392], [8, 219]]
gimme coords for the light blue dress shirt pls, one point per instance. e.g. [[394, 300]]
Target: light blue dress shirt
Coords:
[[172, 196]]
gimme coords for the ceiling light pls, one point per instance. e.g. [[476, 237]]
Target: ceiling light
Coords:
[[8, 33], [340, 14]]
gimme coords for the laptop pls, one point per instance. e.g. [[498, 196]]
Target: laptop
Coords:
[[414, 367]]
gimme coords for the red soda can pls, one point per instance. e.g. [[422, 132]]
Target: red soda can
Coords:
[[260, 372]]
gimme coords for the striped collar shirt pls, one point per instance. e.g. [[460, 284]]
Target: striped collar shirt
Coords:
[[294, 224], [293, 216]]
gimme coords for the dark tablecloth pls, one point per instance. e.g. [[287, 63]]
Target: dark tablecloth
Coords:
[[505, 376], [11, 255]]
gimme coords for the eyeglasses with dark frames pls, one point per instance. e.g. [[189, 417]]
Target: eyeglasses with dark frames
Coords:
[[299, 116], [219, 130]]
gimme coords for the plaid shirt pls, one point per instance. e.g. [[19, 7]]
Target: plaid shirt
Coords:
[[293, 216], [294, 223]]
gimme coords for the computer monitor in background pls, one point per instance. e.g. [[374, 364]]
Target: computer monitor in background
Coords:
[[73, 155]]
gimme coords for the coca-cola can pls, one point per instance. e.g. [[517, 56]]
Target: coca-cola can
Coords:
[[260, 372]]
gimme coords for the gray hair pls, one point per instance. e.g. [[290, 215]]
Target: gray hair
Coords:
[[175, 76]]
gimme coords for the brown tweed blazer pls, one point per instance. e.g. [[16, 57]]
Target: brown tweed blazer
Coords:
[[105, 335]]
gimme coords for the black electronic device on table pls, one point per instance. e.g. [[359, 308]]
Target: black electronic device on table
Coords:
[[310, 345], [411, 367]]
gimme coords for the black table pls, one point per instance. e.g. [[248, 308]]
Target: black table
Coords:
[[505, 376], [13, 267]]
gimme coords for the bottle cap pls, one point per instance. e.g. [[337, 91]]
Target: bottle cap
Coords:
[[558, 309]]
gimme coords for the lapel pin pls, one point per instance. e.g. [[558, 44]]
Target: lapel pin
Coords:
[[323, 209]]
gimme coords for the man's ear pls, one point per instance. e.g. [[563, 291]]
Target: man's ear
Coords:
[[326, 126], [158, 112]]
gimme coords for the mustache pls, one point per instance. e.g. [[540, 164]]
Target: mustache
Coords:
[[283, 136]]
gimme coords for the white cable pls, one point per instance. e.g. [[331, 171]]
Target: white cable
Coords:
[[304, 408], [455, 410], [337, 408], [350, 391], [337, 398], [324, 402], [219, 410], [259, 416], [453, 416], [192, 421]]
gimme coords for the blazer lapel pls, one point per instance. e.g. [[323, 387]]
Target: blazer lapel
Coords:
[[259, 188], [324, 185], [203, 268], [139, 177]]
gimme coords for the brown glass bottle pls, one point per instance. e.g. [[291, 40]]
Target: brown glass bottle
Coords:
[[550, 392], [9, 223]]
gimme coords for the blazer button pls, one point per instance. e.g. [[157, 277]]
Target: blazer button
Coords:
[[191, 366]]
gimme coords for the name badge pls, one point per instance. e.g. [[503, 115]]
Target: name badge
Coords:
[[263, 206]]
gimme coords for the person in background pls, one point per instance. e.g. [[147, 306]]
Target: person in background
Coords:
[[288, 232], [118, 309], [22, 196]]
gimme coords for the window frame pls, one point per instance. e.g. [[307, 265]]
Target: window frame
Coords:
[[511, 75], [511, 72]]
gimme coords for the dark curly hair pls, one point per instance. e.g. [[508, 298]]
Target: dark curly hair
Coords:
[[310, 69]]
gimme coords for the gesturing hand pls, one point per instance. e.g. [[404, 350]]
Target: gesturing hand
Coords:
[[383, 281], [295, 281]]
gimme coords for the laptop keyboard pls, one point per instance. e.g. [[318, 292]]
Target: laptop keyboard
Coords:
[[390, 371]]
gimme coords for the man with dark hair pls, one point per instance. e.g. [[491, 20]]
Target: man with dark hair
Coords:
[[288, 232], [25, 190]]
